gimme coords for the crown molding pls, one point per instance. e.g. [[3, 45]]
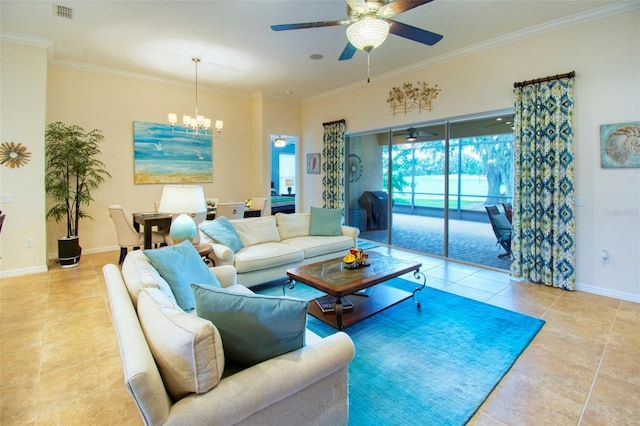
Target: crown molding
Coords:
[[557, 24]]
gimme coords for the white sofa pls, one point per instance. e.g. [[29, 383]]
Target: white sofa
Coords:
[[273, 244], [305, 386]]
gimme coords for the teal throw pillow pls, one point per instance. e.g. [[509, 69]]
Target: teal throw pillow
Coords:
[[253, 327], [223, 232], [180, 265], [325, 222]]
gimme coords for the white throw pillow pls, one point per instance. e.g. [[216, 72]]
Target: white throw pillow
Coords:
[[138, 273], [293, 225], [257, 230], [187, 349]]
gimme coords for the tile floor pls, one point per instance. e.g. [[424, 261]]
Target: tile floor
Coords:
[[60, 362]]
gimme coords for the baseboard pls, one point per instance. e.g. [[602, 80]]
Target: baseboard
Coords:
[[53, 256], [622, 295], [23, 271]]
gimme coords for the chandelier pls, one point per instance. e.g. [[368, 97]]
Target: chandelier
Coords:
[[368, 32], [279, 142], [197, 124]]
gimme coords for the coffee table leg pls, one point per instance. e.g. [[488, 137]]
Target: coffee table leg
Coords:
[[417, 274], [338, 307], [288, 283]]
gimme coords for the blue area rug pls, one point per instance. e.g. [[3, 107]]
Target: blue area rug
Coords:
[[433, 365]]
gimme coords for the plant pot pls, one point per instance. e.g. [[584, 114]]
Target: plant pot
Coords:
[[69, 252]]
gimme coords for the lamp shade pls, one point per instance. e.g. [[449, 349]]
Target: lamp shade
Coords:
[[368, 33], [288, 182], [186, 201], [182, 199]]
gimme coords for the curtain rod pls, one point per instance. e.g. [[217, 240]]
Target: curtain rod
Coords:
[[335, 122], [549, 78]]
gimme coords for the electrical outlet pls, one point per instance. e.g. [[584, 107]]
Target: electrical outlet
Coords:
[[579, 201], [29, 243], [604, 256]]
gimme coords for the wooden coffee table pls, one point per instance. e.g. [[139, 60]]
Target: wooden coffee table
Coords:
[[333, 278]]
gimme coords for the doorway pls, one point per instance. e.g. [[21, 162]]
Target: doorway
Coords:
[[284, 172]]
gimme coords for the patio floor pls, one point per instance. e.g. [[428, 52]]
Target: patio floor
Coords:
[[469, 241]]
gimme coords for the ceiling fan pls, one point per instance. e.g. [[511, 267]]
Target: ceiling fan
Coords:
[[364, 16], [412, 134]]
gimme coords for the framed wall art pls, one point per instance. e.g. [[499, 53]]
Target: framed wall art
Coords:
[[162, 154], [313, 164], [620, 145]]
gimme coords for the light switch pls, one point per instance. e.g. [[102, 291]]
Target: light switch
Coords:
[[7, 198], [579, 201]]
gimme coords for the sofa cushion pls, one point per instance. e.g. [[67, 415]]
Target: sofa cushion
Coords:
[[325, 222], [257, 230], [313, 246], [293, 225], [138, 273], [180, 265], [266, 255], [222, 231], [188, 350], [253, 327]]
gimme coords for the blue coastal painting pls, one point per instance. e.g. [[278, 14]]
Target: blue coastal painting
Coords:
[[166, 155]]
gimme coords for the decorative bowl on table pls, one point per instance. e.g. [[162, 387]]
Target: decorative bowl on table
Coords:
[[356, 258]]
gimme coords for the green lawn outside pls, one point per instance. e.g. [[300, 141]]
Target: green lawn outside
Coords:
[[429, 191]]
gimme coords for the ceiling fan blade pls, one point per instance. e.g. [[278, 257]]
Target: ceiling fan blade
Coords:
[[348, 52], [414, 33], [285, 27], [393, 8]]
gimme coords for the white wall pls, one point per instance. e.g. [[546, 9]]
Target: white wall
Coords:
[[23, 76], [99, 100], [605, 54], [111, 103]]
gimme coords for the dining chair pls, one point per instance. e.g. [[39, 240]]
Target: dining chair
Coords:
[[259, 203], [230, 210], [127, 235], [2, 216]]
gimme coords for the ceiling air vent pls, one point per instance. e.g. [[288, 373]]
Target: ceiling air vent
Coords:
[[63, 11]]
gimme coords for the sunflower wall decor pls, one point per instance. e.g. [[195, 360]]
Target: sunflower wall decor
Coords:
[[14, 154]]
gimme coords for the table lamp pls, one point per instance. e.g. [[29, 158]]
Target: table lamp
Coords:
[[288, 183], [186, 201]]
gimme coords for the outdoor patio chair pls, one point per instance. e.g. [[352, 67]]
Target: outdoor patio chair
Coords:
[[508, 211], [501, 228]]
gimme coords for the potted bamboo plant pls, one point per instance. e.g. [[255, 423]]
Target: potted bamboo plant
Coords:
[[72, 172]]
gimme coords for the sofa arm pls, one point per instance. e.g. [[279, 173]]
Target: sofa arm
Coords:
[[249, 391], [226, 274], [351, 231], [221, 255]]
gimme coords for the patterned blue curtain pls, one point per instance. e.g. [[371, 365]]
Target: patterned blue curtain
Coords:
[[543, 241], [333, 165]]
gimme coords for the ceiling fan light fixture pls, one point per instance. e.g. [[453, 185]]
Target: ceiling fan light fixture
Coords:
[[368, 33], [279, 142], [411, 134]]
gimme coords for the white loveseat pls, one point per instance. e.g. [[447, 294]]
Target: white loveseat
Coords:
[[305, 386], [273, 244]]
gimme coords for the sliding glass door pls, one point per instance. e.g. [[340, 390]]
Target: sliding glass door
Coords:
[[398, 181]]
